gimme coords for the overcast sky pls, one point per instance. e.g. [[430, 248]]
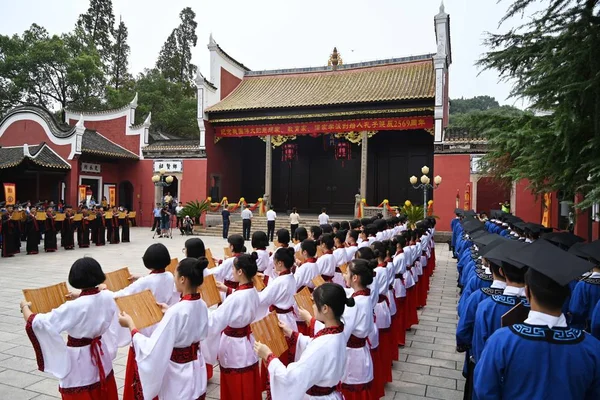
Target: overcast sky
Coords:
[[271, 34]]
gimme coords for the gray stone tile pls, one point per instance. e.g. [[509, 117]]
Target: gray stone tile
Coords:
[[416, 352], [444, 394], [48, 387], [406, 387], [410, 367], [431, 346], [429, 380], [19, 364], [443, 355], [446, 373], [18, 379], [451, 342], [46, 397], [425, 339], [13, 393], [432, 362]]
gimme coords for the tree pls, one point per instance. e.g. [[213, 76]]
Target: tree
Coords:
[[95, 27], [168, 59], [50, 70], [119, 57], [553, 61], [477, 103], [175, 57]]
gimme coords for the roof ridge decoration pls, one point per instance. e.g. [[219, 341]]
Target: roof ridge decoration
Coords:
[[201, 78], [146, 124], [213, 46], [132, 104], [358, 65], [58, 129], [86, 149]]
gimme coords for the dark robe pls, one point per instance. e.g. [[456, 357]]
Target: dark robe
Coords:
[[83, 233], [109, 230], [125, 233], [66, 235], [32, 234], [114, 238], [8, 231], [50, 243], [100, 229], [94, 230]]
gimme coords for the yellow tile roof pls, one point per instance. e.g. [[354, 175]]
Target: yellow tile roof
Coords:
[[394, 82]]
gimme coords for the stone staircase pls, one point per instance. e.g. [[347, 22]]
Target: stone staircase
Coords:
[[260, 224]]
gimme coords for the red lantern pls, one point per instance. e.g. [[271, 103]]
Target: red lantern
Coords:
[[289, 152], [343, 151]]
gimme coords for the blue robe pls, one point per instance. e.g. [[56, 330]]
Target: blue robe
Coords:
[[583, 300], [488, 319], [535, 362], [595, 322], [466, 323], [479, 281]]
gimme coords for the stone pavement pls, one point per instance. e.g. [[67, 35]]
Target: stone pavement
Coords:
[[428, 366]]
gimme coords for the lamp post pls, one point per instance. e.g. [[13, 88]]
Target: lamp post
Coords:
[[161, 181], [425, 185]]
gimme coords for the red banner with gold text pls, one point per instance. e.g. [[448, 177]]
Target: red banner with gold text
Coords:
[[308, 128], [82, 191], [112, 196]]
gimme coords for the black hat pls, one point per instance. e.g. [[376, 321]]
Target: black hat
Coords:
[[566, 239], [458, 211], [476, 234], [485, 249], [473, 225], [470, 213], [549, 260], [591, 250], [534, 228], [520, 225], [577, 250], [502, 252]]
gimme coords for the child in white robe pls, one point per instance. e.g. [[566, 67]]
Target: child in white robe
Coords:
[[83, 365], [260, 242], [340, 255], [224, 272], [320, 361], [283, 241], [304, 274], [300, 235], [326, 263], [352, 245], [169, 362], [230, 338]]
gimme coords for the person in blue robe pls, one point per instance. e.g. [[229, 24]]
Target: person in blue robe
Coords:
[[587, 291], [542, 357], [481, 279], [491, 310]]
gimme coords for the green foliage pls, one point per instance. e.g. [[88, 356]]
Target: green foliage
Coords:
[[119, 58], [174, 60], [553, 60], [477, 103], [195, 209], [95, 28], [413, 214]]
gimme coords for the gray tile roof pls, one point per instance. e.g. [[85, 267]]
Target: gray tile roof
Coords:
[[40, 155], [95, 144]]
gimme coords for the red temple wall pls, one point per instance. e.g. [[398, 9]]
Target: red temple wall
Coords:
[[194, 183], [224, 160], [455, 170], [528, 208], [32, 133], [114, 129], [228, 82]]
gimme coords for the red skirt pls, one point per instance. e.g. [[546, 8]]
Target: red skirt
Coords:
[[401, 316], [240, 383], [385, 356], [378, 386], [411, 307], [93, 392], [431, 262], [132, 389], [394, 336], [422, 290], [209, 372], [362, 391], [303, 328]]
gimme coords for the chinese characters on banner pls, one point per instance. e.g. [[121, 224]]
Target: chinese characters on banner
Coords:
[[112, 196], [82, 192], [170, 166], [547, 204], [10, 194], [468, 197], [90, 167], [307, 128]]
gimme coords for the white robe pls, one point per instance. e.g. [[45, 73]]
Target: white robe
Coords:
[[304, 275], [340, 256], [320, 361], [184, 323], [399, 266], [350, 252], [279, 293], [89, 316], [263, 260], [326, 265], [382, 310], [238, 310]]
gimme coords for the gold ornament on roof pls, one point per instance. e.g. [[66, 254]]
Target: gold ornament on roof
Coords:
[[335, 59]]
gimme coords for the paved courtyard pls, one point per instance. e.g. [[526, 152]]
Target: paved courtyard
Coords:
[[428, 367]]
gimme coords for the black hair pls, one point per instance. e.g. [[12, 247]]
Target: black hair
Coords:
[[310, 246], [353, 234], [193, 269], [194, 248], [323, 210], [285, 255], [260, 240], [334, 296], [354, 224], [335, 225], [247, 263], [341, 236], [363, 269], [327, 240], [237, 241], [365, 221], [495, 269], [365, 253], [86, 273], [512, 273], [156, 256], [294, 210], [316, 232], [283, 236], [399, 240], [371, 229], [381, 225], [345, 225], [301, 234], [326, 229], [379, 250], [547, 293]]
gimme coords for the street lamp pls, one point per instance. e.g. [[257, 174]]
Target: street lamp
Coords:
[[425, 185], [160, 180]]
